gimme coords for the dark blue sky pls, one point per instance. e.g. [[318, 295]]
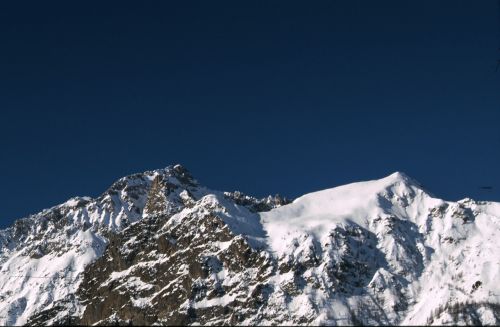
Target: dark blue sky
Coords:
[[264, 97]]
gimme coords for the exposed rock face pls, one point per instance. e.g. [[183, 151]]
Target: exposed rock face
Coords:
[[254, 204], [166, 267], [158, 248], [157, 202]]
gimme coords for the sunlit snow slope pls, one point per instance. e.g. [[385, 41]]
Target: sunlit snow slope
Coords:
[[426, 254]]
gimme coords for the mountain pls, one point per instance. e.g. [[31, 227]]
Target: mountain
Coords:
[[159, 248]]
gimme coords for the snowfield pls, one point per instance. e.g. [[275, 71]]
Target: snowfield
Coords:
[[454, 241]]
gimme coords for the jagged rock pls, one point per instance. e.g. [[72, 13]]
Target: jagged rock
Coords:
[[157, 201]]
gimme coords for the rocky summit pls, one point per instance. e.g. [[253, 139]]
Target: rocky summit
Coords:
[[158, 248]]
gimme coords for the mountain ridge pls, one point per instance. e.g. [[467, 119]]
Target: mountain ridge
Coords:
[[364, 252]]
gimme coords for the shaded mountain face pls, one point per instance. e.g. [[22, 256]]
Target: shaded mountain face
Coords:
[[159, 248]]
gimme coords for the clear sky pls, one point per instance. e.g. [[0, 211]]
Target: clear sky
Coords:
[[261, 96]]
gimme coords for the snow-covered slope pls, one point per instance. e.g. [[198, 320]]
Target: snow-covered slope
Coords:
[[159, 248], [414, 256]]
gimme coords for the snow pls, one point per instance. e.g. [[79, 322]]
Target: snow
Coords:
[[432, 272], [316, 213], [42, 281], [218, 301]]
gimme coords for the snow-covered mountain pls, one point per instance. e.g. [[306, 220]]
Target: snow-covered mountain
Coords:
[[159, 248]]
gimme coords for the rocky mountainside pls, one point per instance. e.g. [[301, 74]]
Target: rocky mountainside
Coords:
[[159, 248]]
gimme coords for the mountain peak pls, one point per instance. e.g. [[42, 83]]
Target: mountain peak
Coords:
[[179, 167], [183, 175], [400, 176]]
